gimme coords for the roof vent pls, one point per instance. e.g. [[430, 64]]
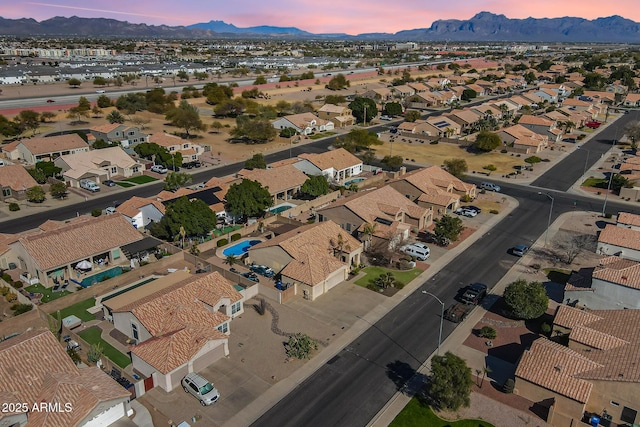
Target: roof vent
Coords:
[[624, 277], [558, 368]]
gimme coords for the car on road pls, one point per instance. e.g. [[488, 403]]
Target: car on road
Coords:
[[262, 270], [49, 101], [464, 211], [385, 117], [519, 250], [251, 276], [109, 183], [490, 186], [198, 386], [159, 169], [474, 293], [100, 91]]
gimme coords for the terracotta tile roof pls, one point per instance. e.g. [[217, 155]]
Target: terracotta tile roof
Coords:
[[528, 119], [554, 367], [277, 179], [54, 144], [16, 178], [339, 159], [435, 177], [79, 240], [303, 120], [7, 148], [166, 140], [438, 197], [627, 218], [132, 206], [165, 195], [176, 307], [34, 367], [168, 352], [468, 116], [619, 271], [574, 102], [312, 269], [97, 160], [620, 236], [106, 128], [332, 108]]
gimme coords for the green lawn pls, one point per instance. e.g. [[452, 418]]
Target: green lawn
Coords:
[[80, 310], [124, 184], [417, 414], [142, 179], [47, 293], [92, 336], [595, 182], [226, 230], [373, 272]]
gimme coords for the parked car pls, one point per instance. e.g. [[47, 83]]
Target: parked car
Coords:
[[474, 293], [490, 186], [110, 210], [457, 312], [87, 184], [191, 165], [464, 211], [109, 183], [593, 124], [262, 270], [418, 250], [251, 276], [519, 250], [200, 388], [159, 169], [385, 117], [474, 208]]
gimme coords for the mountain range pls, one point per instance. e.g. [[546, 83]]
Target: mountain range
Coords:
[[484, 26]]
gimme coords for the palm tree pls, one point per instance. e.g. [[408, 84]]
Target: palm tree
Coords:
[[231, 260], [368, 230], [385, 280]]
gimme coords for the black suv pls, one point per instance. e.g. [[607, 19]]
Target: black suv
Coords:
[[474, 294], [191, 165]]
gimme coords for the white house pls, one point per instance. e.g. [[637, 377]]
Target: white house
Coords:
[[335, 165], [141, 212], [304, 123]]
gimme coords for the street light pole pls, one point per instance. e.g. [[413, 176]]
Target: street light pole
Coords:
[[606, 196], [586, 162], [546, 235], [441, 319]]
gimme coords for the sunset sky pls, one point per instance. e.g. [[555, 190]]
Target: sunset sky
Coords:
[[326, 16]]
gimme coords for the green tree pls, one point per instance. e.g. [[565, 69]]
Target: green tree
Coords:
[[338, 82], [49, 169], [186, 116], [393, 162], [37, 175], [335, 99], [95, 353], [74, 83], [175, 180], [260, 80], [99, 81], [315, 186], [200, 75], [469, 94], [412, 115], [215, 93], [58, 190], [620, 181], [450, 383], [36, 194], [253, 130], [104, 101], [230, 108], [9, 128], [356, 140], [194, 216], [393, 109], [248, 199], [359, 106], [182, 75], [526, 300], [487, 141], [256, 162], [115, 117], [448, 227], [28, 120], [456, 167], [131, 103], [385, 280], [231, 260], [300, 346], [96, 111]]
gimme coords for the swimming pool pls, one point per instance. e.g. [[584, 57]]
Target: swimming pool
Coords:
[[101, 277], [281, 208], [240, 248], [353, 181]]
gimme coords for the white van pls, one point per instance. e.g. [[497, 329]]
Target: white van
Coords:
[[418, 250]]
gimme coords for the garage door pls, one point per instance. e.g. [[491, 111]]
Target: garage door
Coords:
[[334, 280], [107, 417], [208, 358]]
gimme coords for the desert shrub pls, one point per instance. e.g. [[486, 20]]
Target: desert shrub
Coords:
[[235, 237], [488, 332], [494, 211], [490, 168], [466, 198], [4, 290], [509, 386], [96, 212], [222, 242], [545, 328], [374, 287], [14, 207], [398, 285], [607, 215], [10, 297]]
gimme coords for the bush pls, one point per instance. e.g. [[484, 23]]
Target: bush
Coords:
[[545, 328], [14, 207], [96, 212], [235, 237], [374, 287], [399, 285], [504, 151], [4, 290], [465, 199], [494, 211], [509, 386], [7, 278], [20, 308], [10, 297], [222, 242], [608, 215], [488, 332], [17, 284], [491, 168]]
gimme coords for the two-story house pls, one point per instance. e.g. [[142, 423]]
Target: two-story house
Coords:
[[339, 115], [124, 135], [174, 144]]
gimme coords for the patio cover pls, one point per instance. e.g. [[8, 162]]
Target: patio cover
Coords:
[[141, 245]]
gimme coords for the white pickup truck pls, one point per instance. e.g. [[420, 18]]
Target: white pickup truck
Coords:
[[87, 184]]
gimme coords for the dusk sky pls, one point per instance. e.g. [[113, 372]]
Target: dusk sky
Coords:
[[326, 16]]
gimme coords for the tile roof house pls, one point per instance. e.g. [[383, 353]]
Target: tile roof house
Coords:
[[125, 135], [98, 166], [179, 322], [304, 123], [340, 116], [434, 188], [596, 372], [174, 144], [423, 100], [335, 165], [628, 220], [315, 257], [14, 182], [467, 118], [631, 100], [619, 241], [141, 212], [523, 139], [283, 182], [54, 253], [384, 206], [48, 149], [541, 126], [35, 368]]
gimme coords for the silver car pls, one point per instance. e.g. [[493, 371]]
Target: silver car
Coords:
[[200, 388]]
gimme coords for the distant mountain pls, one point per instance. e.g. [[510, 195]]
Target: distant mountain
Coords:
[[484, 26]]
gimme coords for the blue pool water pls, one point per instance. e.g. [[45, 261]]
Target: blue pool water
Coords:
[[280, 208], [241, 248], [103, 275], [353, 181]]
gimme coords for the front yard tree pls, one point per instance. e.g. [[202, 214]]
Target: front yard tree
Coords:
[[183, 76], [393, 108], [456, 167], [151, 150], [451, 383], [315, 186], [468, 94], [569, 245], [49, 169], [357, 140], [175, 180], [526, 300], [248, 199], [412, 115], [195, 217], [448, 227], [253, 130], [186, 116], [632, 130], [360, 106], [36, 194], [58, 190], [393, 162], [256, 162], [487, 141]]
